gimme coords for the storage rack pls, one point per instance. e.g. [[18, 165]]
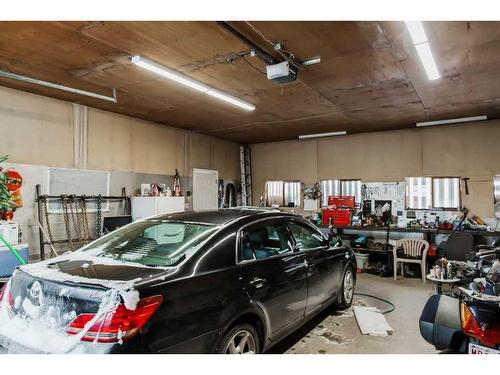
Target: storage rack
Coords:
[[246, 176], [40, 199]]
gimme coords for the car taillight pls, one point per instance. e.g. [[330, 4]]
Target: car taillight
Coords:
[[2, 292], [10, 301], [120, 324], [489, 336]]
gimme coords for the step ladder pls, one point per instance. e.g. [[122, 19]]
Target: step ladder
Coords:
[[246, 176]]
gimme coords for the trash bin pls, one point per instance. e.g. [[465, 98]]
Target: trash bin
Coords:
[[362, 261], [8, 262]]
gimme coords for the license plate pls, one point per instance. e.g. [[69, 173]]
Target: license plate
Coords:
[[478, 349]]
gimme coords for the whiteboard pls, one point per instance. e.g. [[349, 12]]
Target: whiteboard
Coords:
[[66, 181]]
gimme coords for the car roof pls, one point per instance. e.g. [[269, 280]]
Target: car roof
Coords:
[[221, 216]]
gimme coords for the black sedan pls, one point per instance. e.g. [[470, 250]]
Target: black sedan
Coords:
[[227, 281]]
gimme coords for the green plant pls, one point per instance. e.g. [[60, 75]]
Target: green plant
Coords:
[[5, 197]]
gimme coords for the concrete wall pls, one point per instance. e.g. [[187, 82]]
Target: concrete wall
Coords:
[[466, 150], [39, 132]]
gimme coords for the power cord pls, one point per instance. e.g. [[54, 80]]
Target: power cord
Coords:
[[380, 299]]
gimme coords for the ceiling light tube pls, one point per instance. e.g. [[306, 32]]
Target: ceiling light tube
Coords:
[[230, 99], [57, 86], [416, 30], [168, 73], [419, 38], [315, 60], [452, 121], [425, 54], [320, 135], [189, 82]]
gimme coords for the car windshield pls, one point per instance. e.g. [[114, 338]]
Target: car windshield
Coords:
[[154, 243]]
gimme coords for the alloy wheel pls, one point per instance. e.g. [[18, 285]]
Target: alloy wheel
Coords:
[[242, 342], [348, 286]]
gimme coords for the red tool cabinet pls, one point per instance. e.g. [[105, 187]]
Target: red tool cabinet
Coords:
[[339, 216], [340, 210]]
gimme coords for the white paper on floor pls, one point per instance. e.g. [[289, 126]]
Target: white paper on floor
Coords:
[[371, 321]]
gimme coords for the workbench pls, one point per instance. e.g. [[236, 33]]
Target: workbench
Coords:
[[395, 233], [427, 234]]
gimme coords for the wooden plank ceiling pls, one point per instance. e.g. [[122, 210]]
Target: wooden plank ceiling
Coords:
[[370, 77]]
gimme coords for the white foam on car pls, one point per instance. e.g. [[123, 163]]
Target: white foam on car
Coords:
[[17, 334], [37, 335], [130, 298]]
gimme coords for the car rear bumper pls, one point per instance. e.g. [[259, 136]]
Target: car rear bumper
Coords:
[[203, 344], [12, 347]]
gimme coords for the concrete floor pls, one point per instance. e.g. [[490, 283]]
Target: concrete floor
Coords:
[[337, 331]]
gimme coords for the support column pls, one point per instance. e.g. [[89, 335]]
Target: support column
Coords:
[[80, 135]]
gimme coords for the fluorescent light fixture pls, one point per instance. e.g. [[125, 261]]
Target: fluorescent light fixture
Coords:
[[417, 33], [320, 135], [189, 82], [230, 99], [452, 121], [425, 54], [315, 60]]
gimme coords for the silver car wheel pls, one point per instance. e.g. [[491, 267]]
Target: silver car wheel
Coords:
[[348, 286], [242, 342]]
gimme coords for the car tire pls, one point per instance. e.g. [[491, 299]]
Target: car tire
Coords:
[[346, 294], [231, 341]]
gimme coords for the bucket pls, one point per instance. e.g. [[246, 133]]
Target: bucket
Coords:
[[362, 261]]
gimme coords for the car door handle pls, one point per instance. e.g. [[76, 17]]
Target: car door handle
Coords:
[[309, 266], [258, 282]]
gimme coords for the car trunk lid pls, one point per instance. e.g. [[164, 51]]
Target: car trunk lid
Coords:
[[46, 297]]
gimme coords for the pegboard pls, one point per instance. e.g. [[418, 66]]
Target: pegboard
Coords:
[[393, 191]]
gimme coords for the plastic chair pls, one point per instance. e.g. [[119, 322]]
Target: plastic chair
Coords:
[[415, 251]]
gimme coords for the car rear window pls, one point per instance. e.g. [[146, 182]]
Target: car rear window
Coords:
[[153, 242]]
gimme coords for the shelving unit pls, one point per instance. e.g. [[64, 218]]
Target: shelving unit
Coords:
[[42, 200]]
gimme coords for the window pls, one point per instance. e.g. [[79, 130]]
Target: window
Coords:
[[351, 188], [264, 241], [152, 242], [282, 193], [274, 193], [292, 193], [446, 192], [426, 193], [340, 187], [329, 188], [306, 238], [418, 192]]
